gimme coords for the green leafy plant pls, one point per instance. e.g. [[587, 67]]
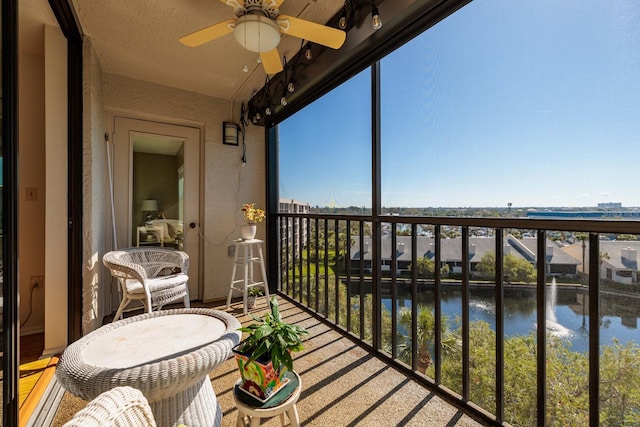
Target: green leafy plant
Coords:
[[255, 291], [272, 337]]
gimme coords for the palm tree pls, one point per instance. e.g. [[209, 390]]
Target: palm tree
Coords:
[[583, 237], [425, 339]]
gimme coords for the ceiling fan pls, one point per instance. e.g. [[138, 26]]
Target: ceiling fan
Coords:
[[258, 28]]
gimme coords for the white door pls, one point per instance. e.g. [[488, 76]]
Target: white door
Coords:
[[156, 177]]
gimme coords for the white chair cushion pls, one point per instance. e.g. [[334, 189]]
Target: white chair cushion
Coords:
[[157, 284]]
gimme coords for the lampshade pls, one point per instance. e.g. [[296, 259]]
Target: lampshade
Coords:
[[149, 206], [256, 33]]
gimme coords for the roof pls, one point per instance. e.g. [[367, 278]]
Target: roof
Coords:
[[451, 249]]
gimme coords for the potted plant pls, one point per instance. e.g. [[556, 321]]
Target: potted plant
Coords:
[[252, 294], [265, 355], [252, 216]]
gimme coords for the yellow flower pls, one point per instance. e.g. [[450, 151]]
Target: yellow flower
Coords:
[[252, 215]]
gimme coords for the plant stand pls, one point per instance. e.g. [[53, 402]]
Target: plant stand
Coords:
[[245, 258], [283, 403]]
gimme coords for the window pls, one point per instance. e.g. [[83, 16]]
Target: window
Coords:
[[325, 149], [515, 104]]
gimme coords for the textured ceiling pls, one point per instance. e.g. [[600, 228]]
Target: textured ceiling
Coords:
[[139, 39]]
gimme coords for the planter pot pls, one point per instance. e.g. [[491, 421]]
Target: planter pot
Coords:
[[251, 301], [259, 378], [248, 232]]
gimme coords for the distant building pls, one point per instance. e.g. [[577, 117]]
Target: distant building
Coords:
[[558, 262], [595, 214], [619, 259], [610, 205], [296, 227]]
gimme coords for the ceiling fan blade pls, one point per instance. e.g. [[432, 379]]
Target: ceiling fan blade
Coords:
[[236, 4], [271, 61], [209, 33], [316, 33], [273, 3]]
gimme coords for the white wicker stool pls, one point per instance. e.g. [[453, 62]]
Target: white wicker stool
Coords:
[[279, 404], [247, 253]]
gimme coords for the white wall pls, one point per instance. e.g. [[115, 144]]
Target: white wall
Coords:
[[96, 219], [56, 210], [227, 184], [31, 170]]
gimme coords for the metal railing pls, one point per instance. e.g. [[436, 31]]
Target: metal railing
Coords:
[[336, 266]]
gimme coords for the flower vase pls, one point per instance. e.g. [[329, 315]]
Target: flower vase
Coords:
[[248, 232]]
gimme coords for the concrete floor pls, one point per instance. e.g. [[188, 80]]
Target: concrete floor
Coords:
[[343, 385]]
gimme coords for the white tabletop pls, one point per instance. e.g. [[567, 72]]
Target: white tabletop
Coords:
[[152, 340]]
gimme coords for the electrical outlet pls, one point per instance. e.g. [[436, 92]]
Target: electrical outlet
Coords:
[[37, 282], [231, 250]]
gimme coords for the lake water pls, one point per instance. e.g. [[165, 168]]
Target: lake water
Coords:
[[618, 315]]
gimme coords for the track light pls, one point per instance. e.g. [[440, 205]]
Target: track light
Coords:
[[376, 22], [291, 87], [342, 23], [308, 54]]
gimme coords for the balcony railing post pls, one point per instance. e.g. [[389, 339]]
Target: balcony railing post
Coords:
[[541, 298], [317, 258], [499, 323], [336, 273], [307, 223], [394, 293], [414, 299], [361, 281], [594, 330], [376, 285], [437, 294], [347, 261], [465, 313], [326, 268]]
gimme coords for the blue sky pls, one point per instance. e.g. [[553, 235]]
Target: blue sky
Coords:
[[531, 102]]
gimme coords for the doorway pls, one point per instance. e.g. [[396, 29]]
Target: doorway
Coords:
[[156, 184]]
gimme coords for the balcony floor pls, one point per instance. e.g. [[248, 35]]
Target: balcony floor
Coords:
[[343, 385]]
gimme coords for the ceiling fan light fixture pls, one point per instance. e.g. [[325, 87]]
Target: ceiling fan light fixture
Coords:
[[256, 33]]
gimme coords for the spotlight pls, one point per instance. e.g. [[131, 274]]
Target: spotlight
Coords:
[[283, 100], [267, 111], [376, 22], [307, 52], [342, 23], [291, 87]]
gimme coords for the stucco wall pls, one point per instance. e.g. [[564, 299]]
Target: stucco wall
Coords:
[[226, 182], [96, 226]]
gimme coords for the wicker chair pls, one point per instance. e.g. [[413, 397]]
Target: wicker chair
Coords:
[[119, 407], [155, 276]]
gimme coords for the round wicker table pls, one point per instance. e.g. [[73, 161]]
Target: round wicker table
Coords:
[[167, 355]]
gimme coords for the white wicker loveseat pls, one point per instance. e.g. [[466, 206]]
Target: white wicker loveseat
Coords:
[[155, 276]]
